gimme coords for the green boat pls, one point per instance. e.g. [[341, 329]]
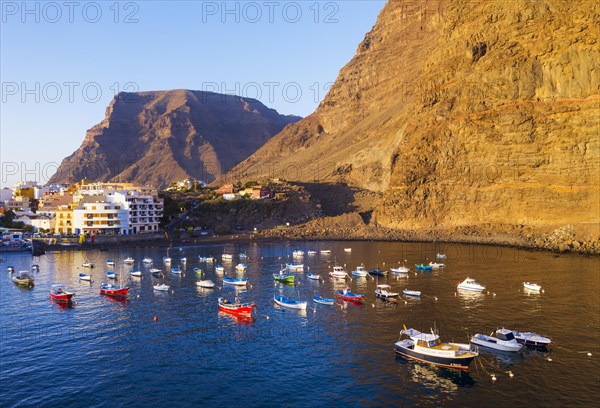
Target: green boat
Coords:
[[23, 279], [198, 272], [282, 277]]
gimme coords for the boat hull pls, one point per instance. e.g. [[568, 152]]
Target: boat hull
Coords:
[[323, 301], [482, 342], [117, 293], [352, 298], [291, 305], [237, 309], [62, 297], [457, 363]]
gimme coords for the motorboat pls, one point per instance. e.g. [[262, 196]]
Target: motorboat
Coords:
[[378, 272], [227, 257], [235, 281], [113, 290], [311, 252], [408, 292], [135, 272], [345, 294], [338, 272], [155, 271], [531, 339], [360, 271], [241, 267], [206, 259], [400, 269], [161, 287], [471, 284], [440, 256], [244, 310], [384, 292], [436, 265], [59, 293], [129, 260], [23, 279], [298, 253], [347, 249], [147, 260], [423, 267], [428, 348], [294, 266], [207, 284], [503, 340], [290, 303], [313, 276], [325, 251], [534, 287], [88, 264], [323, 301]]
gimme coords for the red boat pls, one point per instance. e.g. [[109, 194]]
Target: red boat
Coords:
[[58, 293], [113, 290], [351, 297], [236, 308]]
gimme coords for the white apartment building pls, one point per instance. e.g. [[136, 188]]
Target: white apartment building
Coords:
[[95, 215]]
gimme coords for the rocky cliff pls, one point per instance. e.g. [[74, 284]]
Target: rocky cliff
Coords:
[[478, 114], [154, 138]]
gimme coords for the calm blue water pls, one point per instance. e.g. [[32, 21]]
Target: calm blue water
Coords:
[[102, 352]]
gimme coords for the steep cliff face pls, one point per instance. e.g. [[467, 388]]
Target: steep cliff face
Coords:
[[154, 138], [461, 113]]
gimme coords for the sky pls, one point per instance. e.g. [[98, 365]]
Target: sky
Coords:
[[62, 62]]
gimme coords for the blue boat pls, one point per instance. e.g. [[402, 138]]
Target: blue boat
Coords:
[[85, 277], [378, 272], [290, 303], [111, 275], [323, 301], [235, 281], [176, 271], [423, 267]]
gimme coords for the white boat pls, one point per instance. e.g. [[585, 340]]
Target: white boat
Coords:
[[411, 292], [85, 277], [110, 262], [383, 291], [166, 259], [135, 272], [436, 265], [147, 260], [290, 303], [338, 272], [471, 284], [531, 339], [504, 340], [313, 276], [347, 249], [219, 268], [205, 258], [298, 253], [155, 270], [440, 256], [129, 260], [532, 286], [428, 348], [325, 251], [161, 287], [311, 252], [111, 275], [294, 266], [241, 267], [208, 284], [88, 264], [360, 271], [227, 257], [176, 271], [183, 259], [400, 269]]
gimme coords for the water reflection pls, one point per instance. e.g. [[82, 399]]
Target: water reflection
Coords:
[[504, 359], [470, 299]]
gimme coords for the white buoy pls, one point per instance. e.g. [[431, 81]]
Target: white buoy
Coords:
[[549, 359], [589, 354], [493, 377], [373, 304], [494, 293], [510, 374], [435, 298]]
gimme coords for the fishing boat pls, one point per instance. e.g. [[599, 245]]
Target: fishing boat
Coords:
[[400, 269], [85, 277], [207, 284], [283, 277], [135, 272], [532, 286], [236, 308], [235, 281], [471, 284], [377, 272], [383, 292], [110, 262], [23, 278], [428, 348], [531, 339], [154, 270], [241, 267], [111, 275], [88, 264], [360, 271], [298, 253], [161, 287], [129, 261], [205, 259], [10, 269], [290, 303], [408, 292], [325, 251], [113, 290], [311, 252], [347, 249], [198, 271], [313, 276], [503, 340], [323, 301], [226, 257], [294, 266], [436, 265], [440, 256], [147, 260], [176, 270], [35, 268], [166, 260], [351, 297], [183, 259], [338, 272], [423, 267], [219, 268], [59, 293]]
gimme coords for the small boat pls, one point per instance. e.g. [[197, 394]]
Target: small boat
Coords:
[[235, 281], [383, 292], [351, 297], [154, 270], [198, 271], [423, 267], [283, 277], [236, 308], [176, 271], [532, 286], [35, 268], [338, 272], [323, 301], [183, 259], [440, 256], [161, 287], [219, 268], [10, 269], [415, 293], [360, 271], [325, 251], [298, 253], [111, 275], [294, 266], [207, 284], [23, 279], [110, 262], [88, 264], [377, 272], [147, 260], [113, 290], [129, 260], [436, 265], [241, 267], [313, 276], [428, 348], [135, 272], [347, 249], [400, 269], [205, 259], [471, 284], [227, 257], [85, 277], [531, 339], [290, 303], [311, 252], [242, 255], [166, 260], [504, 340], [59, 293]]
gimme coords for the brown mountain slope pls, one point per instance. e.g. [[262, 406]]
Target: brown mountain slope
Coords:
[[461, 113], [159, 137]]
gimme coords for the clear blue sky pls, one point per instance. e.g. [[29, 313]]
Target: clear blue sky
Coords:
[[62, 63]]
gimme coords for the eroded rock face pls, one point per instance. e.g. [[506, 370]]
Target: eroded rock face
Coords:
[[154, 138], [462, 113]]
